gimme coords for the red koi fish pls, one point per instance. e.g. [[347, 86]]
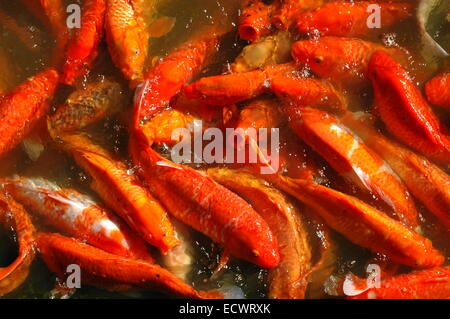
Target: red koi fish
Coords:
[[350, 19]]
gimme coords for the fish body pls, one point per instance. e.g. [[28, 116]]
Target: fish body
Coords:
[[351, 19], [127, 38], [349, 156], [21, 108], [424, 179], [431, 283], [404, 110], [363, 224], [342, 60], [168, 77], [122, 192], [290, 278]]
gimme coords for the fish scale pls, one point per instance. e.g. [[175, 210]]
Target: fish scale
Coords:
[[127, 39]]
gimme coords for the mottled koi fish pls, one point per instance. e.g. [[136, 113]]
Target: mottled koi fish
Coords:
[[95, 101]]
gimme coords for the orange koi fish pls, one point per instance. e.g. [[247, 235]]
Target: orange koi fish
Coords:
[[405, 111], [363, 224], [198, 201]]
